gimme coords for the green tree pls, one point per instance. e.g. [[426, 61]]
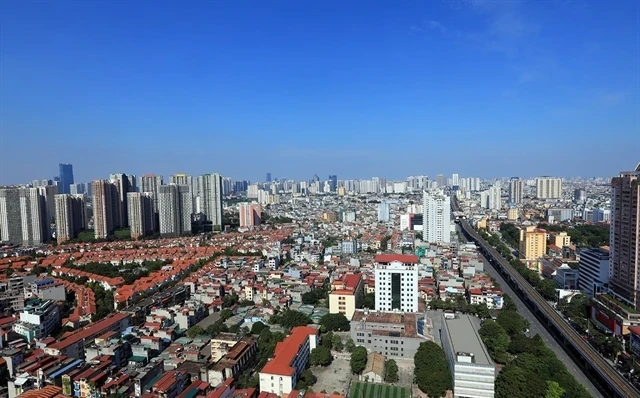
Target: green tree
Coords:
[[336, 343], [547, 289], [512, 322], [349, 345], [234, 329], [195, 331], [390, 371], [554, 390], [320, 356], [508, 304], [431, 371], [290, 319], [309, 298], [335, 322], [495, 339], [514, 382], [226, 314], [257, 327], [307, 379], [367, 301], [358, 360]]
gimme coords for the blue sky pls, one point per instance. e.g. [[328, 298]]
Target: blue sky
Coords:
[[355, 88]]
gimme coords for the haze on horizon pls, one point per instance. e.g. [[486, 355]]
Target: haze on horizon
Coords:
[[478, 88]]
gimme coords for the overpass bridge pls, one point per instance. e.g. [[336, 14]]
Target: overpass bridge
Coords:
[[595, 367]]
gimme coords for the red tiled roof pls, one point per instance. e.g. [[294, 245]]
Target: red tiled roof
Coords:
[[90, 331], [403, 258], [287, 350], [351, 281]]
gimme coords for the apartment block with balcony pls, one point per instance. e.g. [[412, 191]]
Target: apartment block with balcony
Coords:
[[533, 243]]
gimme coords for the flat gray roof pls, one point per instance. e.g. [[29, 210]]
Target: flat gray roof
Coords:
[[465, 338]]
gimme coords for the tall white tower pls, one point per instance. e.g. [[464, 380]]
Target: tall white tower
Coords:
[[436, 220]]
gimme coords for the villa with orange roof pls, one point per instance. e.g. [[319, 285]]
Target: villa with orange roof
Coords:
[[280, 375]]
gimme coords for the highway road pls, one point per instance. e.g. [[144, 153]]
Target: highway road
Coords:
[[537, 328]]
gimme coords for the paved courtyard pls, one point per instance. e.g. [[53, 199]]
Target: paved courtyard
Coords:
[[333, 378]]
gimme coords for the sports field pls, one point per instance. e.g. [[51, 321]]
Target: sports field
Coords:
[[371, 390]]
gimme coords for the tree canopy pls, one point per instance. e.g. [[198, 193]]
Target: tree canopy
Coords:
[[390, 371], [358, 360], [335, 322], [432, 370], [320, 356], [290, 319]]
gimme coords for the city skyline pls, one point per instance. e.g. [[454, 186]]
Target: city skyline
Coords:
[[484, 85]]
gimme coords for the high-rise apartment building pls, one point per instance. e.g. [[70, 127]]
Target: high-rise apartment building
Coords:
[[455, 180], [77, 189], [106, 207], [594, 270], [175, 209], [579, 195], [141, 214], [548, 188], [23, 217], [250, 214], [495, 197], [396, 279], [383, 212], [123, 185], [194, 186], [441, 181], [211, 198], [516, 186], [150, 183], [624, 275], [48, 192], [436, 209], [66, 177], [533, 243], [71, 216]]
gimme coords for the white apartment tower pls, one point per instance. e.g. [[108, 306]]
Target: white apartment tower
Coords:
[[396, 282], [515, 190], [548, 188], [495, 197], [436, 220], [141, 214], [175, 209], [64, 218], [150, 183], [211, 197], [23, 217]]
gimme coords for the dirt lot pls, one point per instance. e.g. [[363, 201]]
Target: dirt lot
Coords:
[[334, 377], [405, 372]]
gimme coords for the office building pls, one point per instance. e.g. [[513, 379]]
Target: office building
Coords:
[[594, 271], [77, 189], [440, 181], [396, 279], [174, 210], [516, 186], [333, 183], [624, 278], [472, 369], [211, 198], [455, 181], [66, 178], [150, 183], [268, 177], [383, 212], [105, 206], [393, 334], [579, 196], [280, 375], [23, 217], [533, 243], [436, 221], [345, 294], [548, 188], [559, 215], [250, 215], [601, 215], [141, 214], [124, 185], [71, 216]]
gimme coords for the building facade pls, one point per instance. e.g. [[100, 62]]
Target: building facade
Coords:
[[548, 188], [175, 210], [210, 196], [392, 334], [250, 214], [141, 214], [516, 186], [533, 243], [345, 294], [104, 208], [624, 278], [436, 221], [66, 178], [396, 279]]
